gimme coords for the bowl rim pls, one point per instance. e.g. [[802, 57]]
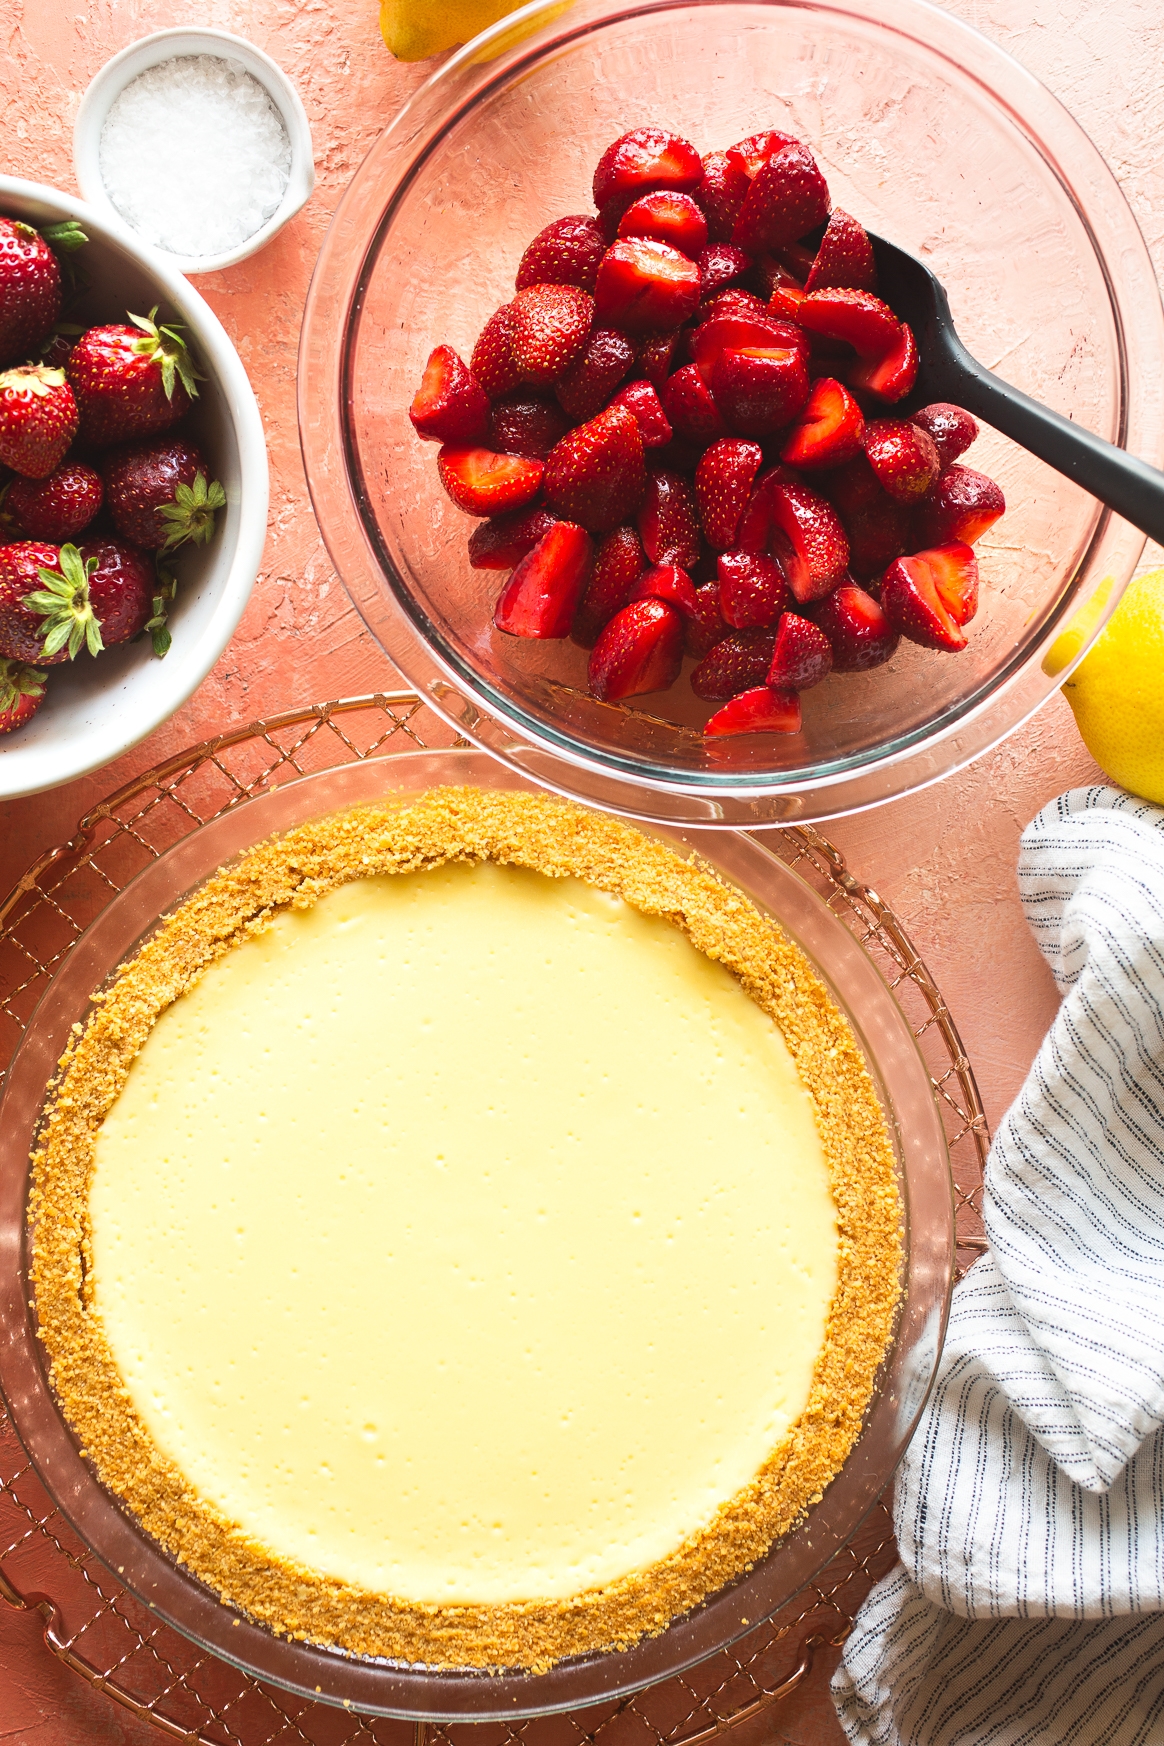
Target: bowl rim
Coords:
[[102, 744], [174, 43]]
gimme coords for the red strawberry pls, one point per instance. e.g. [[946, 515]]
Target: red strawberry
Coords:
[[667, 217], [30, 283], [122, 584], [131, 381], [566, 252], [723, 485], [796, 258], [891, 376], [903, 456], [751, 154], [21, 694], [549, 327], [803, 655], [845, 257], [731, 333], [668, 522], [961, 506], [720, 194], [670, 583], [758, 711], [525, 424], [56, 508], [483, 483], [586, 388], [734, 301], [785, 299], [877, 535], [493, 364], [595, 475], [640, 650], [853, 487], [27, 570], [735, 663], [788, 196], [641, 399], [645, 158], [707, 625], [643, 285], [720, 264], [160, 494], [829, 431], [860, 634], [618, 564], [754, 534], [809, 541], [450, 406], [954, 570], [38, 419], [688, 403], [541, 596], [658, 357], [856, 317], [751, 589], [759, 389], [912, 603], [951, 427], [502, 542]]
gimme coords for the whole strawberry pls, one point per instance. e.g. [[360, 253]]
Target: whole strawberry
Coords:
[[122, 585], [131, 381], [27, 570], [30, 284], [161, 495], [38, 419], [21, 694], [55, 509]]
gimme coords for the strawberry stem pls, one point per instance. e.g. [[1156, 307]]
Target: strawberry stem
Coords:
[[191, 515], [173, 357], [167, 588], [17, 680], [65, 606]]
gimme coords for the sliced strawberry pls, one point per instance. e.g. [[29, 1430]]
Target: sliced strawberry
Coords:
[[877, 535], [640, 650], [483, 483], [550, 327], [796, 258], [731, 333], [21, 694], [641, 399], [670, 583], [737, 661], [586, 387], [961, 506], [688, 403], [720, 264], [668, 521], [667, 217], [721, 193], [566, 252], [541, 596], [911, 602], [892, 376], [860, 634], [803, 655], [951, 427], [618, 564], [643, 285], [758, 390], [954, 570], [595, 475], [758, 711], [844, 258], [493, 363], [723, 486], [707, 625], [502, 542], [735, 302], [903, 456], [450, 406], [525, 424], [809, 541], [856, 317], [644, 159], [785, 301], [658, 357], [752, 590], [788, 196], [751, 154], [829, 430], [754, 533]]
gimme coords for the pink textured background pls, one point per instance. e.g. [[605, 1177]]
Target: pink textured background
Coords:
[[944, 858]]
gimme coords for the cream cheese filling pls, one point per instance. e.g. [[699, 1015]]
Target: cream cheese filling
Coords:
[[466, 1236]]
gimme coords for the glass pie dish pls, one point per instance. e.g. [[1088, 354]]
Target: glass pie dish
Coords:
[[380, 1687]]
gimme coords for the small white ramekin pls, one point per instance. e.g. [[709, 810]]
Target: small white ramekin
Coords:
[[166, 45]]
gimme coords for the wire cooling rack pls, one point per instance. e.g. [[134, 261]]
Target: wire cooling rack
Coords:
[[112, 1640]]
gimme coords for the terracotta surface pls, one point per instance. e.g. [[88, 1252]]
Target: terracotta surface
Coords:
[[944, 858]]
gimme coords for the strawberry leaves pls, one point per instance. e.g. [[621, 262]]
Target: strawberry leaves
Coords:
[[174, 358], [63, 602], [191, 515]]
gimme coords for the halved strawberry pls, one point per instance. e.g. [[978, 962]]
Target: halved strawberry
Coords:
[[954, 569], [803, 655], [643, 159], [829, 430], [856, 317], [754, 533], [502, 542], [550, 325], [450, 406], [618, 564], [785, 300], [566, 252], [719, 264], [892, 376], [903, 456], [752, 590], [641, 399], [525, 424], [707, 625], [759, 389], [640, 650], [858, 631], [723, 485], [668, 521], [911, 602], [845, 257], [658, 357], [809, 541], [21, 694], [735, 302], [736, 662], [788, 195], [721, 193], [667, 217], [751, 154], [731, 333], [483, 483], [688, 403], [643, 285], [492, 363], [961, 506], [758, 711], [541, 596], [670, 583], [595, 475], [586, 387], [951, 427]]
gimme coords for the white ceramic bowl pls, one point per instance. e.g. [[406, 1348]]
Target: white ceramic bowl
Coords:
[[97, 709], [166, 45]]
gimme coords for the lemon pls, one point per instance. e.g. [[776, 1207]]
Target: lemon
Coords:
[[416, 29], [1117, 690]]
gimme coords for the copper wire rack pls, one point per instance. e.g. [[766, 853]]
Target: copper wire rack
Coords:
[[108, 1637]]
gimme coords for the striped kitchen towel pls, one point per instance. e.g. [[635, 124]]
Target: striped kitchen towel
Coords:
[[1028, 1606]]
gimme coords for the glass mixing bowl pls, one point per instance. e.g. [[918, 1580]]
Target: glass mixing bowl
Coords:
[[932, 137]]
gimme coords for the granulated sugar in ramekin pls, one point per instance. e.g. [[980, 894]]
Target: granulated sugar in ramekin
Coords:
[[194, 155]]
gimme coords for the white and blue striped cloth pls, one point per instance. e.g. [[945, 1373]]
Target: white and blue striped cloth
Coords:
[[1028, 1606]]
